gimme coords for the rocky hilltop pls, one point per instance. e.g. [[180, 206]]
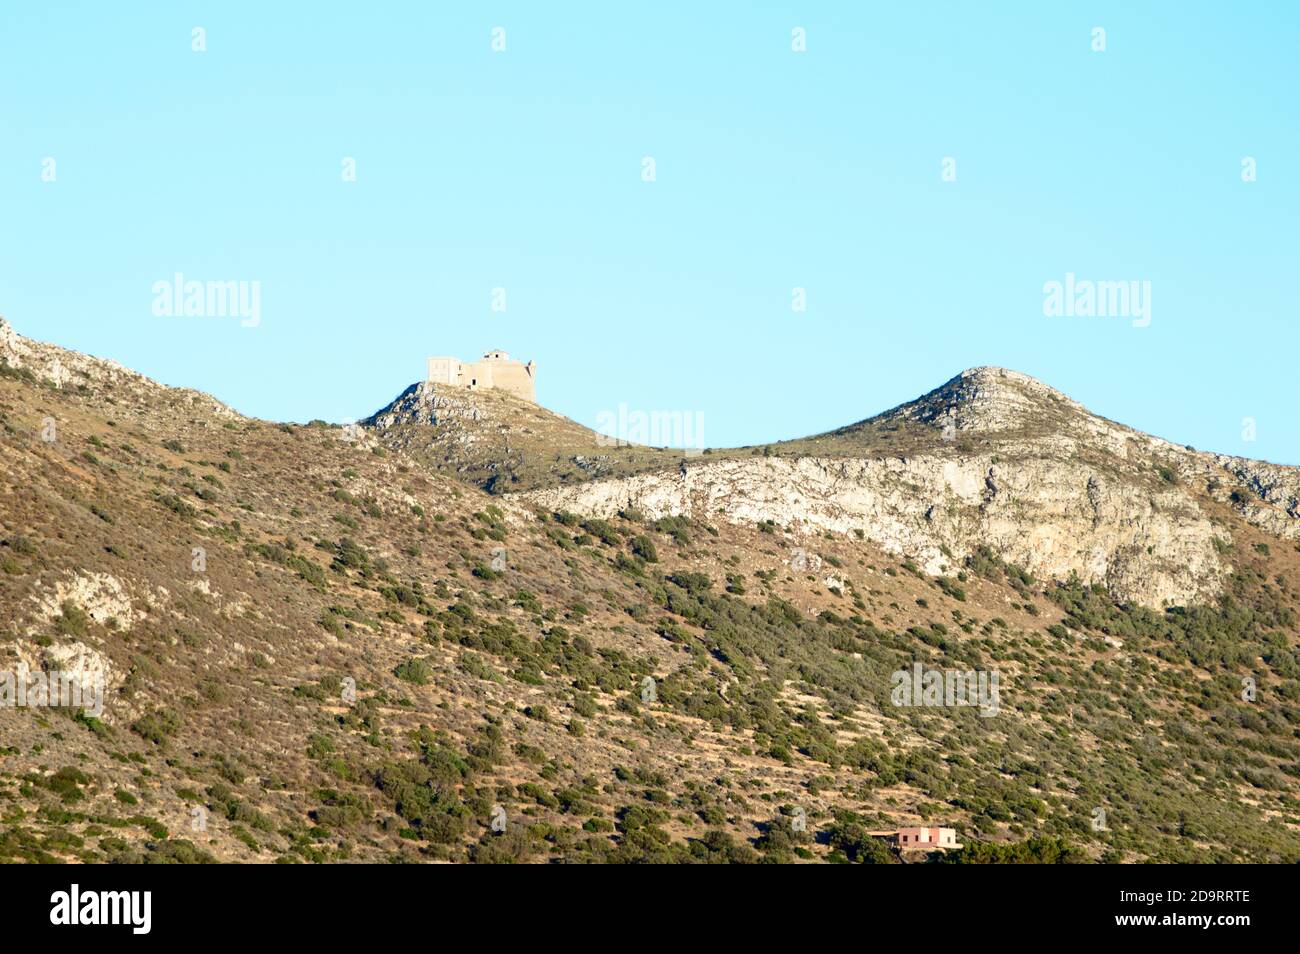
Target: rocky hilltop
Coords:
[[997, 460]]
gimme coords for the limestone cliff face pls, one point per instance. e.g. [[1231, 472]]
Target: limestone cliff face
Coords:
[[1051, 518], [1012, 465], [1272, 497]]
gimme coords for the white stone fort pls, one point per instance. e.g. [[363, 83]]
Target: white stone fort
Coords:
[[494, 371]]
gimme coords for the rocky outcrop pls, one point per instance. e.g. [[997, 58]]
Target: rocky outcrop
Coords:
[[429, 404], [1005, 462], [1271, 491], [100, 596], [62, 368], [1052, 518]]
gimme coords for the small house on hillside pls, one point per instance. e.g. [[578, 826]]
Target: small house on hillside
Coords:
[[926, 839]]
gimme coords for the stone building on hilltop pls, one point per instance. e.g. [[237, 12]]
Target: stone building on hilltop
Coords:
[[494, 371]]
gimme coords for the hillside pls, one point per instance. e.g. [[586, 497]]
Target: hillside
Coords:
[[992, 459], [323, 645], [503, 444]]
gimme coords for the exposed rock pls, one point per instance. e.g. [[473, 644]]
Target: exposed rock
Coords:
[[1046, 485], [61, 366], [1046, 516], [86, 671], [101, 596]]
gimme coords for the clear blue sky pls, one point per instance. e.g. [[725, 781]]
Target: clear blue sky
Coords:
[[775, 169]]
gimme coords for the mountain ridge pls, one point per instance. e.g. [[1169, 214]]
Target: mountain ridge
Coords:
[[984, 387], [992, 458]]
